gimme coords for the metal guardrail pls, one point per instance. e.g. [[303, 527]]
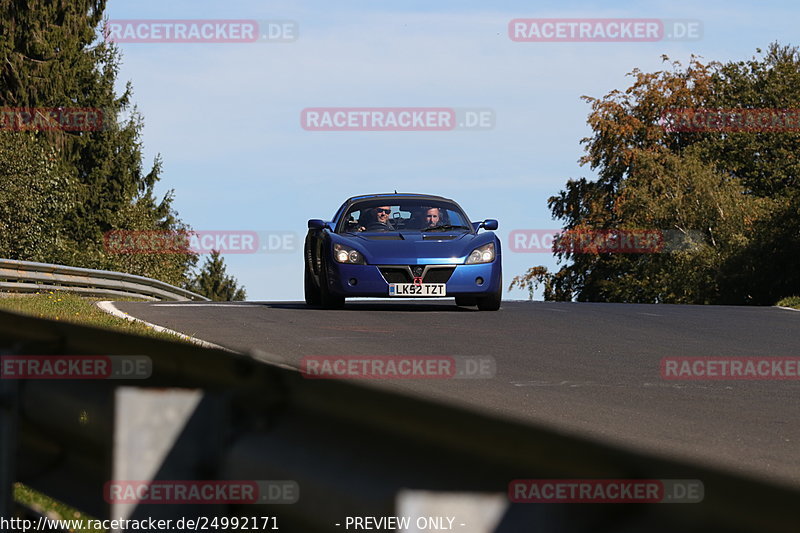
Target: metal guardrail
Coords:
[[28, 276], [352, 450]]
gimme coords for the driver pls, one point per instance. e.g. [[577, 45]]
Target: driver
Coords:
[[380, 220]]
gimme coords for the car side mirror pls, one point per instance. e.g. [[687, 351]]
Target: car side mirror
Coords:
[[489, 224], [316, 223]]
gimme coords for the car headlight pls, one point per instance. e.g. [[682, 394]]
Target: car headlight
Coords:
[[345, 254], [483, 254]]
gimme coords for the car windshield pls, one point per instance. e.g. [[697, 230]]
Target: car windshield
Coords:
[[412, 215]]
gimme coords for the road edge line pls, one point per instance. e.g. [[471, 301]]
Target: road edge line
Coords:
[[108, 307]]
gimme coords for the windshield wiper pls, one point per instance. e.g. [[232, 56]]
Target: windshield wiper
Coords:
[[445, 227]]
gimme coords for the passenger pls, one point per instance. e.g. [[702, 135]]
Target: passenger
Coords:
[[433, 217]]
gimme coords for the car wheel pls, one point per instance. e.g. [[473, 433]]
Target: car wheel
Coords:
[[491, 302], [311, 290], [328, 299], [466, 301]]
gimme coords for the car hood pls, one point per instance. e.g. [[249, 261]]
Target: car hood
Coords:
[[433, 248]]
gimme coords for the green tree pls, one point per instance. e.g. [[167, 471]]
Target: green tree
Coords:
[[767, 267], [737, 191], [213, 282], [35, 197], [51, 56]]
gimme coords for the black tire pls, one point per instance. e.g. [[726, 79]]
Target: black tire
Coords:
[[492, 301], [311, 290], [466, 301], [328, 299]]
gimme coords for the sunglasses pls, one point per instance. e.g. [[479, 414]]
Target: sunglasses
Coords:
[[387, 211]]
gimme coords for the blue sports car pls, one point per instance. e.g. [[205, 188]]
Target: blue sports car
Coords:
[[402, 245]]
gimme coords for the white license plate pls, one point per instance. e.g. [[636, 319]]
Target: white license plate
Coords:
[[412, 289]]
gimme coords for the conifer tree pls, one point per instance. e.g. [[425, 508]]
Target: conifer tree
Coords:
[[213, 282], [52, 55]]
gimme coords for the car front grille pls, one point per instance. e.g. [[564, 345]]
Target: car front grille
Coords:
[[403, 274]]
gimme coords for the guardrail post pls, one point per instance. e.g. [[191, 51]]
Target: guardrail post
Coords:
[[166, 434], [8, 443]]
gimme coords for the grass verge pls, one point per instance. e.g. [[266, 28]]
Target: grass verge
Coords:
[[76, 309], [791, 301], [53, 509]]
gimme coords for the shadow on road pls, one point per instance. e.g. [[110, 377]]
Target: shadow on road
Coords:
[[410, 307]]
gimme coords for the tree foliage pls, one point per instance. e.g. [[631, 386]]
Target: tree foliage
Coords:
[[214, 283], [738, 191], [35, 198], [63, 190]]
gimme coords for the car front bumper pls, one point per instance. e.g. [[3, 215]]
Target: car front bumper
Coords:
[[368, 281]]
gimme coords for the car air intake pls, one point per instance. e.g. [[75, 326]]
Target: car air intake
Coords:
[[403, 274], [427, 237], [396, 274], [395, 237], [438, 275]]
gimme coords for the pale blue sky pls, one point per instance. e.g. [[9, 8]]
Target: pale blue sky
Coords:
[[225, 117]]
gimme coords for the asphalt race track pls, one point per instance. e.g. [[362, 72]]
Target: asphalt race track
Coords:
[[587, 369]]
